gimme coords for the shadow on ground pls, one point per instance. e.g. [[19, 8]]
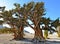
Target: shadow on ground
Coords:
[[29, 41]]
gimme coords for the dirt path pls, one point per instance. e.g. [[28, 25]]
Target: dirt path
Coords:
[[7, 39]]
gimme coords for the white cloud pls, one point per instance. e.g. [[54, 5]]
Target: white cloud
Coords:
[[3, 3], [7, 4]]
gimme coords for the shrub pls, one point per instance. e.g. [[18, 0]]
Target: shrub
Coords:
[[45, 33], [6, 30]]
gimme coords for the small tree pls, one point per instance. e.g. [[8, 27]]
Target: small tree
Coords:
[[46, 22], [56, 24]]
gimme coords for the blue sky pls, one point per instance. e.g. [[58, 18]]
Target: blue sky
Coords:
[[52, 6]]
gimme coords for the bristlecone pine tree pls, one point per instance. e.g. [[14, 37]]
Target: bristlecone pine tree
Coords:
[[1, 9], [35, 11]]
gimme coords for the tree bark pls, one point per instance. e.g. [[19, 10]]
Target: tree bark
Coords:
[[20, 33], [38, 33], [15, 33]]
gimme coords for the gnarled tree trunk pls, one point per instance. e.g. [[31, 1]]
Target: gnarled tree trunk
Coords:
[[15, 33], [20, 33], [38, 33]]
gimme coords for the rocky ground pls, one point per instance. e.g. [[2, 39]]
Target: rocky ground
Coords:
[[7, 39]]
